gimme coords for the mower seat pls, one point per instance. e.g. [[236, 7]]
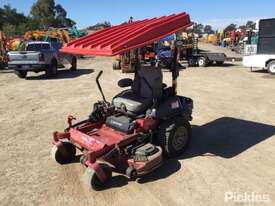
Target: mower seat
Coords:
[[132, 103], [147, 85]]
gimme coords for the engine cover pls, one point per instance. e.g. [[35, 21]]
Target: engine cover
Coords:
[[121, 123]]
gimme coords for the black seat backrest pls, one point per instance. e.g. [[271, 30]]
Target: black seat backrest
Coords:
[[148, 83]]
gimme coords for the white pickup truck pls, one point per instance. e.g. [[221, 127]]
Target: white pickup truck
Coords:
[[40, 56], [260, 61], [265, 57]]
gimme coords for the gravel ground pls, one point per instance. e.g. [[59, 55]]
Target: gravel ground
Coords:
[[232, 150]]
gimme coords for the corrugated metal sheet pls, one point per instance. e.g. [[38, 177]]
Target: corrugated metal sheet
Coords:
[[121, 38]]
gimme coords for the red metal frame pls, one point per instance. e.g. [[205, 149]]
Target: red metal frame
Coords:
[[97, 140], [122, 38]]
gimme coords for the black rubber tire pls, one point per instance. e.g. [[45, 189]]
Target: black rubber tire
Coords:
[[270, 68], [219, 63], [64, 156], [192, 62], [74, 64], [202, 62], [167, 135], [116, 65], [92, 179], [2, 65], [210, 63], [21, 74], [52, 69], [131, 172]]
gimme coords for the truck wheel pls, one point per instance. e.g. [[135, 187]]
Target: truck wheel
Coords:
[[202, 62], [220, 63], [174, 136], [52, 69], [92, 179], [191, 62], [74, 64], [116, 65], [21, 74], [271, 67], [65, 154], [2, 65]]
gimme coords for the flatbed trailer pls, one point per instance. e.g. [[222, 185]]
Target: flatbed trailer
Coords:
[[205, 59], [200, 58]]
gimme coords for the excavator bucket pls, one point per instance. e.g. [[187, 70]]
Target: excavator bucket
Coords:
[[124, 37]]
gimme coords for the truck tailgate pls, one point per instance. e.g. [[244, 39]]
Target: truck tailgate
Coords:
[[24, 56]]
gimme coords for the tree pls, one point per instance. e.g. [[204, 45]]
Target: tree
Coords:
[[11, 22], [61, 17], [101, 25], [208, 29], [43, 12], [198, 28], [250, 25], [9, 29], [243, 27], [230, 27]]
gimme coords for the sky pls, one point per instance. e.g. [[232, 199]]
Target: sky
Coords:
[[217, 13]]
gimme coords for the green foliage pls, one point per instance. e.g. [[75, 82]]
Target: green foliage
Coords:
[[12, 22], [9, 29], [197, 28], [44, 14], [208, 29], [230, 27], [250, 25], [43, 11], [105, 24]]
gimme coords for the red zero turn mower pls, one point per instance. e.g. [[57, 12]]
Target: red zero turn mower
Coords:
[[132, 133]]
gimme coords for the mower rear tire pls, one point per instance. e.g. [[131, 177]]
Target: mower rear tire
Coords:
[[64, 154], [21, 74], [92, 179], [174, 136]]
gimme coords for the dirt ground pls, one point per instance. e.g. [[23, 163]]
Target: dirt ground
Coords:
[[232, 150]]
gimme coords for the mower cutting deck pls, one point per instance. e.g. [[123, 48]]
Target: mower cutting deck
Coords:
[[133, 132]]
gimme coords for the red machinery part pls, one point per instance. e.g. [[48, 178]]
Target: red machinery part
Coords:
[[121, 38], [144, 167]]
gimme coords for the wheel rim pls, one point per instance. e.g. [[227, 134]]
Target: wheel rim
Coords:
[[272, 68], [180, 138], [201, 62]]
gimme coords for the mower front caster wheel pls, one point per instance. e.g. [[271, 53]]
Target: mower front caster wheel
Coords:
[[92, 179], [131, 172], [64, 154]]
